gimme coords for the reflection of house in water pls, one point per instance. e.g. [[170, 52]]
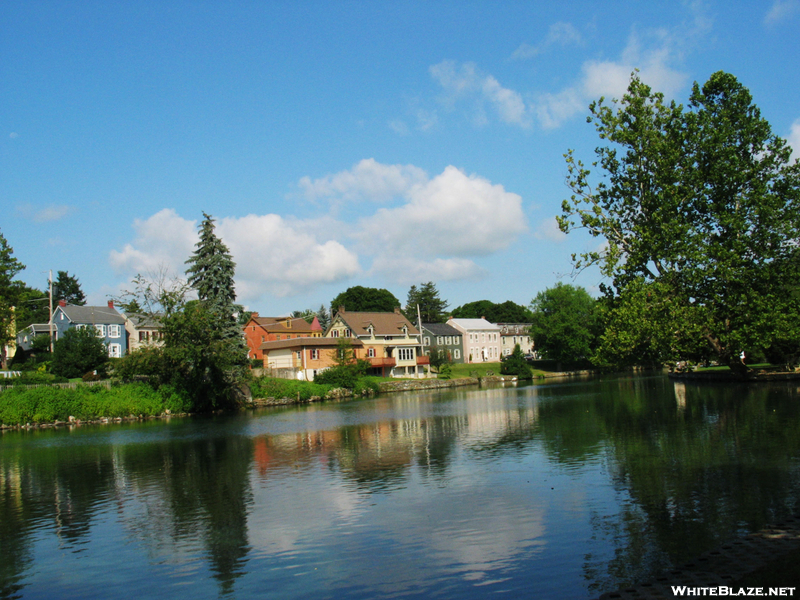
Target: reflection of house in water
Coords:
[[680, 394]]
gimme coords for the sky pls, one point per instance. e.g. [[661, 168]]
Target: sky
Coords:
[[340, 143]]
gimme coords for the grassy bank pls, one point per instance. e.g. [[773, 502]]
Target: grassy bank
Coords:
[[19, 406]]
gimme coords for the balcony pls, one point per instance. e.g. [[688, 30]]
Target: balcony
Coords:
[[382, 362], [423, 360]]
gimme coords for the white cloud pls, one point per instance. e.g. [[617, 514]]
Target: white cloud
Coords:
[[610, 79], [52, 212], [560, 33], [368, 180], [794, 139], [466, 81], [13, 135], [273, 255], [548, 230], [781, 10], [443, 223]]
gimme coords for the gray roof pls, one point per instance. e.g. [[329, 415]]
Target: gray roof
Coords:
[[141, 321], [440, 329], [474, 324], [37, 328], [92, 314]]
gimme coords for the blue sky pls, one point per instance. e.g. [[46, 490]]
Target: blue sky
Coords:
[[339, 143]]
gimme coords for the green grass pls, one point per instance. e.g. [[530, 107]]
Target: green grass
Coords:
[[19, 406]]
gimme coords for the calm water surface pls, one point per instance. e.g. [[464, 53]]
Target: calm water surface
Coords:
[[562, 490]]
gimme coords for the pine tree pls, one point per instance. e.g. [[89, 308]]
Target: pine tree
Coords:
[[67, 287], [431, 307], [212, 269], [9, 267]]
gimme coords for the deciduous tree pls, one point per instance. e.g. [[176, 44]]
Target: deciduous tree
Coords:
[[565, 324], [364, 299], [9, 267], [698, 205]]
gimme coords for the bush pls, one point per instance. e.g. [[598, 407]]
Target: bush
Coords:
[[79, 351], [515, 364], [269, 387]]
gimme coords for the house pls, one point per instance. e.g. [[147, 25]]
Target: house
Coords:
[[303, 357], [143, 330], [26, 334], [107, 322], [512, 334], [445, 337], [265, 329], [481, 339], [391, 343]]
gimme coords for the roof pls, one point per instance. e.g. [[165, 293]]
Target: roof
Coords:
[[92, 314], [307, 342], [440, 329], [278, 324], [473, 324], [383, 323], [141, 320], [36, 328]]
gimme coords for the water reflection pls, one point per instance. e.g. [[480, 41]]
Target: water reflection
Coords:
[[557, 490]]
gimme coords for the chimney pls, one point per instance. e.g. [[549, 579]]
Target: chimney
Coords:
[[341, 308], [254, 315], [62, 303], [110, 304], [397, 310]]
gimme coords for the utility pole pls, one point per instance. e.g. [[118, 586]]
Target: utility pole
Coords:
[[50, 321]]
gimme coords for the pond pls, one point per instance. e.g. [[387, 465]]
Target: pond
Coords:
[[555, 490]]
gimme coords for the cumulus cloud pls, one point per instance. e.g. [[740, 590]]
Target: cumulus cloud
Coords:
[[560, 33], [794, 139], [272, 255], [781, 10], [367, 180], [51, 212], [442, 226], [467, 81]]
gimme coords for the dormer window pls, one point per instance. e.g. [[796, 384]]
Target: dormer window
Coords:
[[405, 331], [371, 330]]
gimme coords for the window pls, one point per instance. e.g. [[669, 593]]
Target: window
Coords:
[[262, 338], [114, 350], [405, 353], [427, 341], [456, 353], [449, 340], [315, 354], [114, 331], [371, 353], [346, 333], [278, 337], [484, 337], [438, 340], [101, 330], [335, 333], [299, 355], [144, 336]]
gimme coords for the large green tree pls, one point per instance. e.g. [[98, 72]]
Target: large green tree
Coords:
[[67, 287], [78, 352], [431, 307], [9, 267], [364, 299], [565, 324], [698, 207], [504, 312]]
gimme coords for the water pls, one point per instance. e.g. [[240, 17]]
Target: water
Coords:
[[561, 490]]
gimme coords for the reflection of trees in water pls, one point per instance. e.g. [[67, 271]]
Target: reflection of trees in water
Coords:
[[696, 473], [196, 490]]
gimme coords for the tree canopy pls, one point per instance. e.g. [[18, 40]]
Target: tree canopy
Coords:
[[505, 312], [9, 267], [699, 210], [67, 287], [78, 352], [431, 307], [364, 299], [565, 324]]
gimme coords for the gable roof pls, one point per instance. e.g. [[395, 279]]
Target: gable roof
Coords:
[[383, 323], [140, 321], [473, 324], [440, 329], [91, 314]]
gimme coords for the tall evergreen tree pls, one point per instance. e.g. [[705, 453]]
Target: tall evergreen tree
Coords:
[[431, 307], [9, 267], [67, 287]]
